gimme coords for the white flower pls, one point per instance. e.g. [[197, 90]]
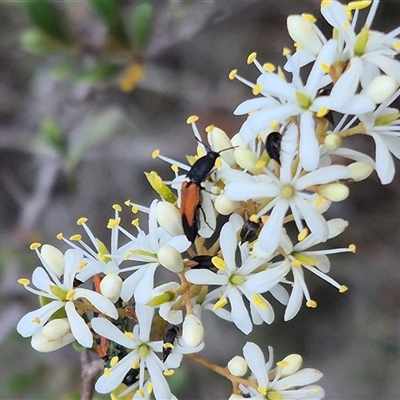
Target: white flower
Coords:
[[287, 191], [144, 249], [63, 296], [282, 386], [235, 282], [316, 261], [283, 100]]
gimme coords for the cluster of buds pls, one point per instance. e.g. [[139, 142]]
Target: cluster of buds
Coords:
[[237, 227]]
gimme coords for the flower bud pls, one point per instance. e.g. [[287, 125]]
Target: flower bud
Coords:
[[237, 366], [332, 141], [335, 192], [192, 331], [359, 171], [56, 329], [381, 88], [225, 206], [54, 258], [169, 218], [303, 32], [170, 258], [246, 159], [111, 286], [219, 140], [293, 362]]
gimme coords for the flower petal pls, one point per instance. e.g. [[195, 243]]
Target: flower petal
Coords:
[[79, 328]]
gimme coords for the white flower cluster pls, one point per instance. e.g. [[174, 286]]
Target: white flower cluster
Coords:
[[273, 181]]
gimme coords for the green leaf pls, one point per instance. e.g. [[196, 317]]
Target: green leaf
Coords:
[[142, 21], [37, 42], [100, 72], [50, 131], [46, 18], [109, 12]]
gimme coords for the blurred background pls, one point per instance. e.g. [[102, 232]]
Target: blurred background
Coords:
[[88, 89]]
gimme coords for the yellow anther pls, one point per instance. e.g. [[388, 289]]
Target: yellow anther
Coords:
[[135, 364], [311, 304], [295, 263], [254, 218], [286, 51], [220, 303], [70, 295], [101, 256], [262, 390], [117, 207], [107, 372], [260, 164], [155, 154], [209, 128], [76, 237], [81, 221], [264, 219], [281, 74], [175, 168], [302, 234], [232, 74], [309, 17], [352, 248], [24, 281], [251, 58], [168, 346], [257, 89], [258, 301], [319, 200], [135, 222], [269, 67], [359, 5], [114, 361], [325, 67], [134, 209], [127, 202], [140, 392], [192, 119], [149, 387], [343, 289], [325, 3], [128, 255], [113, 223], [169, 372], [129, 335], [219, 263], [396, 46], [60, 236], [274, 125], [82, 265], [322, 112], [218, 163], [35, 246], [36, 320]]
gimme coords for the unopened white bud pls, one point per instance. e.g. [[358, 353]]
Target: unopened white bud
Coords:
[[381, 88], [41, 343], [333, 141], [169, 218], [219, 140], [237, 366], [111, 286], [192, 331], [54, 258], [293, 364], [170, 258], [246, 159], [359, 171], [335, 192], [303, 32], [56, 329], [225, 206]]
